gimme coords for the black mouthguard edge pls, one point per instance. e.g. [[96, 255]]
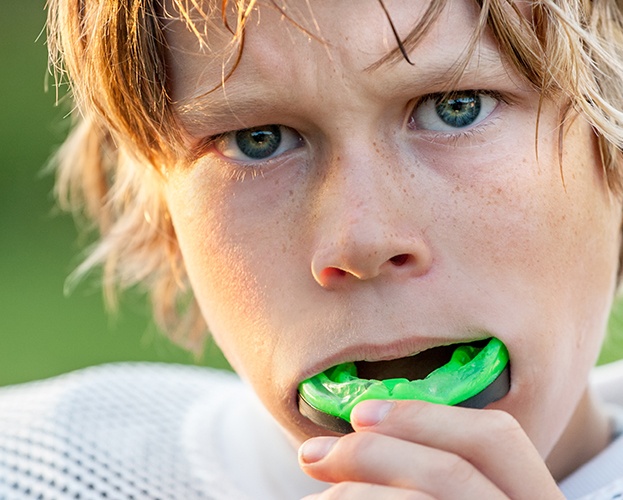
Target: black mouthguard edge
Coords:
[[493, 392]]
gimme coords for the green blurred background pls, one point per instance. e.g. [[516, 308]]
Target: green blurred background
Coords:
[[42, 331]]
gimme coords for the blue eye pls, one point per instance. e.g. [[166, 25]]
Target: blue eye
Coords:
[[460, 111], [453, 111], [258, 143]]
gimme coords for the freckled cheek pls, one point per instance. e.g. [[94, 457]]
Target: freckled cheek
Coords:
[[239, 254], [527, 218], [524, 240]]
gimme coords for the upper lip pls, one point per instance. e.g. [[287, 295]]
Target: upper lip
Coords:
[[386, 351]]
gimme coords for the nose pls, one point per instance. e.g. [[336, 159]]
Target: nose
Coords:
[[368, 227]]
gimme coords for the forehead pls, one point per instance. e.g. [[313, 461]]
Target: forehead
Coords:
[[321, 20], [306, 44]]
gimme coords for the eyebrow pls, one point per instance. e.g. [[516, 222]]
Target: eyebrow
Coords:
[[225, 107]]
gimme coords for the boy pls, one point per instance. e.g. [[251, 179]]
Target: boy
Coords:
[[340, 182]]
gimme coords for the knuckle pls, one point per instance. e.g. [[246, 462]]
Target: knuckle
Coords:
[[504, 420], [457, 470], [506, 425], [500, 426], [502, 431]]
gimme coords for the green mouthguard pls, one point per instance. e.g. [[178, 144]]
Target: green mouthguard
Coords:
[[470, 371]]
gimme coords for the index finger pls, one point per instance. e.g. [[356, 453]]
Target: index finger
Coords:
[[491, 440]]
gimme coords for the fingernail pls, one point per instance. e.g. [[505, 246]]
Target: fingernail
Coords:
[[369, 413], [316, 449]]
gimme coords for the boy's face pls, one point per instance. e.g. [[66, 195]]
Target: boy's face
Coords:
[[375, 219]]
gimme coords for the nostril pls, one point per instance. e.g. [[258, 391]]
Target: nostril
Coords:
[[331, 272], [399, 260]]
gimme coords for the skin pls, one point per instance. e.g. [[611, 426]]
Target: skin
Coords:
[[371, 237]]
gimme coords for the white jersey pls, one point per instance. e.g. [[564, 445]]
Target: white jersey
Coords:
[[602, 477], [143, 431]]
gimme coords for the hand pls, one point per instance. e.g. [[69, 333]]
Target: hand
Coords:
[[418, 450]]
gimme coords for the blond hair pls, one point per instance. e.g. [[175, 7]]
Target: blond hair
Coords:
[[113, 54]]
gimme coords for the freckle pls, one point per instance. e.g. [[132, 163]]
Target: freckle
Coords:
[[412, 176], [291, 193]]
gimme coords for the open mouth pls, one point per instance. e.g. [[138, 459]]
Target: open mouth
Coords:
[[470, 374]]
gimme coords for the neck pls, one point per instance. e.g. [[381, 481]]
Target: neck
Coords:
[[589, 431]]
